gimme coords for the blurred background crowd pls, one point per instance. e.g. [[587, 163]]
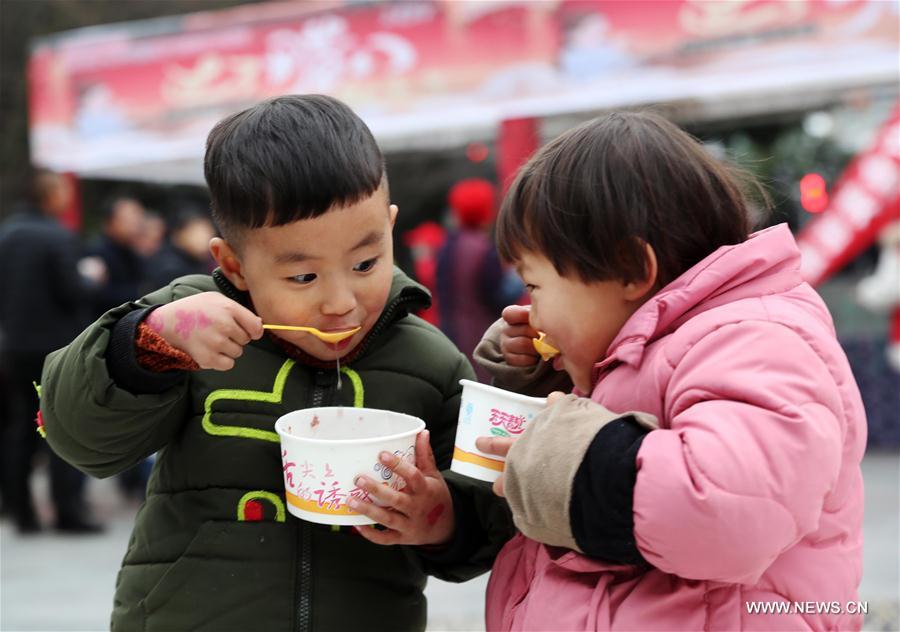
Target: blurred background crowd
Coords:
[[105, 105]]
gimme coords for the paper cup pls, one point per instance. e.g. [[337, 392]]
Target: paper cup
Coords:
[[485, 410], [323, 450]]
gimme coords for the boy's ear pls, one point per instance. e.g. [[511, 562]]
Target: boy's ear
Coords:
[[228, 261], [635, 290], [393, 210]]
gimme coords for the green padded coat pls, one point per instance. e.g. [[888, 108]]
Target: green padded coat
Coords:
[[199, 558]]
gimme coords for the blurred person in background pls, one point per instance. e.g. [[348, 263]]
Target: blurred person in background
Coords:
[[123, 223], [151, 236], [472, 285], [127, 226], [45, 298], [424, 242], [185, 251]]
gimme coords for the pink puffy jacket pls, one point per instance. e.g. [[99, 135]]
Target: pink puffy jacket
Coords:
[[749, 492]]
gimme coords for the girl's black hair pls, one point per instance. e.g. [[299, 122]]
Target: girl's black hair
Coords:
[[591, 198]]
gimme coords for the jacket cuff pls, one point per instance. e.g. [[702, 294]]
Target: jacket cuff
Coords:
[[602, 507], [538, 380], [542, 465], [122, 362]]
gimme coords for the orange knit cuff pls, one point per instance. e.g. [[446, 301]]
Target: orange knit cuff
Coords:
[[155, 354]]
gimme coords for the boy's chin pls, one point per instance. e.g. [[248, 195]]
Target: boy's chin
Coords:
[[328, 356], [332, 352]]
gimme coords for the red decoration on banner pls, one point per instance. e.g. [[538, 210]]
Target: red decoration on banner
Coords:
[[519, 138], [813, 196], [71, 219], [131, 98], [865, 199], [477, 152]]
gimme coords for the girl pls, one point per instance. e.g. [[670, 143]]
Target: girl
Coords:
[[737, 484]]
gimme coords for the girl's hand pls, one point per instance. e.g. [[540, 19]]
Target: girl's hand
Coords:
[[517, 335], [209, 327], [499, 446], [420, 513]]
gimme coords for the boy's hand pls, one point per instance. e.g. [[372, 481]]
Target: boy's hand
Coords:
[[499, 446], [517, 335], [209, 327], [421, 513]]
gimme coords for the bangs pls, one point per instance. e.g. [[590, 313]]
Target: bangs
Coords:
[[514, 223], [550, 210]]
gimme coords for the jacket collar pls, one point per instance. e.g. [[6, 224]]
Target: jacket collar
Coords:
[[767, 263], [405, 296]]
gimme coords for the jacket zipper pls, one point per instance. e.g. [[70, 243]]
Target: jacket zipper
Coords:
[[321, 388], [387, 317], [323, 384]]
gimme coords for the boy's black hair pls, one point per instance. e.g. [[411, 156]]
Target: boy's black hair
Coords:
[[289, 158], [589, 198]]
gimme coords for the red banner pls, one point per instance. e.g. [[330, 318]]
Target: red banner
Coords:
[[864, 200], [148, 92]]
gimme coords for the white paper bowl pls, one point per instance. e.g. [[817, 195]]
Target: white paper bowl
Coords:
[[323, 450], [483, 411]]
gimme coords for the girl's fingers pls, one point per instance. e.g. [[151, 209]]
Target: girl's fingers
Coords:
[[497, 446], [520, 345], [554, 397], [498, 486], [516, 314], [518, 359], [519, 331]]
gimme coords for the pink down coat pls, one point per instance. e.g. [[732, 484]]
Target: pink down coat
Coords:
[[750, 491]]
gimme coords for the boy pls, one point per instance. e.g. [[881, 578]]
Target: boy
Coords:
[[299, 192]]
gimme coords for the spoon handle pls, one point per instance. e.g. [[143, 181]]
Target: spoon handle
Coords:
[[286, 327]]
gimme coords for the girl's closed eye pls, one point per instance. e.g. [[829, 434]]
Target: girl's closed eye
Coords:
[[303, 279], [365, 266], [530, 287]]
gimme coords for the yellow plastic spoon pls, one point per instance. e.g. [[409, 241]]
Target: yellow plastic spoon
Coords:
[[545, 350], [324, 336]]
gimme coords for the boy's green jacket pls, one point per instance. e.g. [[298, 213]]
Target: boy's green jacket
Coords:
[[202, 556]]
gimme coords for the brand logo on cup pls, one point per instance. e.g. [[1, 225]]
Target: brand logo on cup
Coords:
[[513, 424]]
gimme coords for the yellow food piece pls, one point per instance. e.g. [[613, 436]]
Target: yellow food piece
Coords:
[[545, 350]]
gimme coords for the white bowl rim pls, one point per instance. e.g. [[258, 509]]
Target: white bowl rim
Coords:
[[400, 435], [500, 392]]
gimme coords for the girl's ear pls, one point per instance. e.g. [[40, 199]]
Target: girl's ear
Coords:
[[639, 290], [228, 261]]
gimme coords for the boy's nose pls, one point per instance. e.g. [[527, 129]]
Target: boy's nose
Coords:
[[338, 301]]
